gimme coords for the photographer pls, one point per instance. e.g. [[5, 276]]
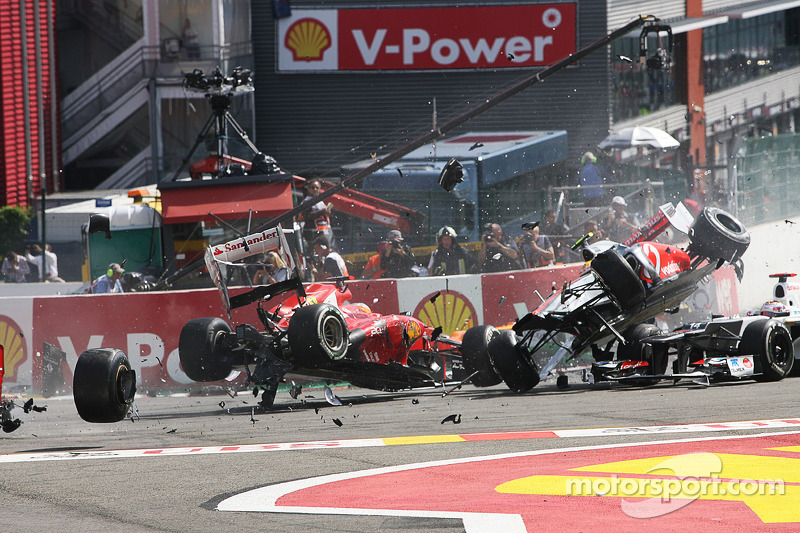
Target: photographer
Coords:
[[397, 259], [537, 250], [330, 263], [619, 225], [498, 252]]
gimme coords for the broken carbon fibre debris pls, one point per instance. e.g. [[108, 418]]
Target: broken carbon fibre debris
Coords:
[[455, 419], [330, 397]]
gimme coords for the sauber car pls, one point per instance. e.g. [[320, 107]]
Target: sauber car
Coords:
[[761, 345], [607, 308], [311, 330]]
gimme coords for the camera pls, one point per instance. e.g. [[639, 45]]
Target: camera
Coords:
[[488, 237], [396, 244], [240, 80]]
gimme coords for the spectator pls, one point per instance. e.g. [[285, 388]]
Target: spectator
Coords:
[[498, 252], [330, 263], [15, 268], [110, 281], [592, 177], [591, 226], [619, 225], [273, 271], [373, 270], [449, 257], [537, 250], [35, 256], [558, 234], [317, 219], [397, 259]]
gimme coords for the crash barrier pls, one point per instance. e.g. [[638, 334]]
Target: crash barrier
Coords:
[[147, 325]]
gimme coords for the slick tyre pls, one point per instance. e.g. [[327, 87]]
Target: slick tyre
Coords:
[[318, 335], [636, 350], [716, 234], [200, 349], [771, 343], [475, 354], [512, 364], [104, 385], [619, 278]]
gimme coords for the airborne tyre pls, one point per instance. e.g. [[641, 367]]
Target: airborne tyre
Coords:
[[318, 335], [620, 279], [199, 349], [636, 350], [716, 234], [771, 343], [104, 385], [519, 373], [475, 354]]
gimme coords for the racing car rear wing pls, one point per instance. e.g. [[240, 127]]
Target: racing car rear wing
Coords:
[[676, 216], [221, 256]]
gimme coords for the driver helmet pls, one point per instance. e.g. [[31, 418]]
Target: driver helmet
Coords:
[[773, 308], [364, 308]]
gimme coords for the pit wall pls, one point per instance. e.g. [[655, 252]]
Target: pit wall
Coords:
[[146, 326], [774, 248]]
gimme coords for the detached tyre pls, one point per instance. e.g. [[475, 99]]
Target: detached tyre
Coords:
[[201, 349], [636, 350], [475, 354], [318, 335], [716, 234], [511, 363], [771, 343], [619, 278], [104, 385]]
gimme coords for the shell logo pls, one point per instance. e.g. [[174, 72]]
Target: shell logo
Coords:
[[13, 346], [451, 310], [308, 39]]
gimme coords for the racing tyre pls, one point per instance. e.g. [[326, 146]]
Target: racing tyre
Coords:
[[617, 275], [199, 349], [771, 343], [318, 335], [103, 385], [717, 234], [475, 353], [636, 350], [511, 363]]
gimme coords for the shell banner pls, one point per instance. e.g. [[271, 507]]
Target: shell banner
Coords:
[[510, 36]]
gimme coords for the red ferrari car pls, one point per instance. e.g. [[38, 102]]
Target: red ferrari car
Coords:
[[311, 330]]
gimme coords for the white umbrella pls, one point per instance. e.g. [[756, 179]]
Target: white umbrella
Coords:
[[639, 136]]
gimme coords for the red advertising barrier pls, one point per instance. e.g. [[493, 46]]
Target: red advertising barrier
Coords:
[[146, 326]]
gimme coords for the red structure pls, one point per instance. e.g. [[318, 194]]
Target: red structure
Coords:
[[29, 155]]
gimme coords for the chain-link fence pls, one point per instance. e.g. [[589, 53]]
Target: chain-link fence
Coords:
[[768, 184]]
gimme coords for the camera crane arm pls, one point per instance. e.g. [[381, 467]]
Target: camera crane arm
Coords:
[[539, 76]]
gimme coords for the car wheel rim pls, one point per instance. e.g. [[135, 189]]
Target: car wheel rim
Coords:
[[779, 350], [333, 334]]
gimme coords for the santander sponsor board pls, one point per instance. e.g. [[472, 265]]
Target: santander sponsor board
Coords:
[[426, 38]]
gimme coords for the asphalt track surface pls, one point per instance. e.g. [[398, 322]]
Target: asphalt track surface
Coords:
[[219, 463]]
